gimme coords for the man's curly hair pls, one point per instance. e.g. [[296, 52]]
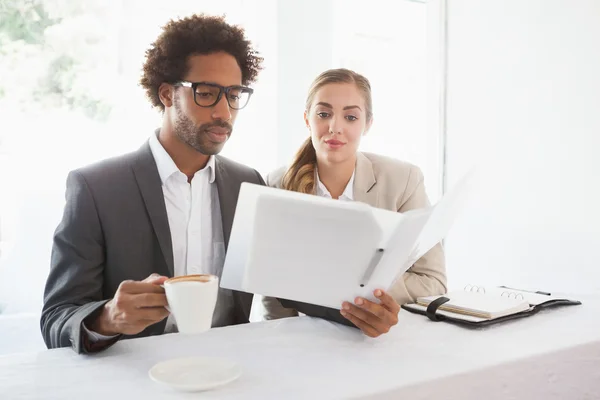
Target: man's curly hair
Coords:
[[166, 59]]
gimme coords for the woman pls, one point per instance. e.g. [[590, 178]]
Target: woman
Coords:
[[338, 114]]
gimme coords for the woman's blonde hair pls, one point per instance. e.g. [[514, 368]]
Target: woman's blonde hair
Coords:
[[300, 176]]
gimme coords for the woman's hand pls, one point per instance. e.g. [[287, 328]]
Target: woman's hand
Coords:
[[372, 318]]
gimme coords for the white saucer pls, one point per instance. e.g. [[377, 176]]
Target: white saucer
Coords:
[[193, 374]]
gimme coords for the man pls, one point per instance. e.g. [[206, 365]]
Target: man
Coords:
[[165, 210]]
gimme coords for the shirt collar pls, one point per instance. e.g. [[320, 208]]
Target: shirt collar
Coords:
[[348, 193], [165, 164]]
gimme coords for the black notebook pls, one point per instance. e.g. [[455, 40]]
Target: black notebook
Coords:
[[480, 306]]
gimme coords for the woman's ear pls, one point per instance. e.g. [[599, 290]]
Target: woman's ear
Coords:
[[306, 120], [165, 94]]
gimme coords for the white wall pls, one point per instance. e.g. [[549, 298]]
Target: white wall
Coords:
[[393, 49], [524, 106], [304, 51]]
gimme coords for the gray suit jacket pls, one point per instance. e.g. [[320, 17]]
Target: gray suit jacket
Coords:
[[115, 228]]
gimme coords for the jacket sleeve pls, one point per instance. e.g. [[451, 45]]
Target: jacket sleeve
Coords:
[[73, 289]]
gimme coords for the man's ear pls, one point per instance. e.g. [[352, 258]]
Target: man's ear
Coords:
[[166, 94]]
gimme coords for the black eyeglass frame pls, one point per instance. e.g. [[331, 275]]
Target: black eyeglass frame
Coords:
[[222, 89]]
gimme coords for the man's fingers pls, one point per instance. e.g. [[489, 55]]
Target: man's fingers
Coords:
[[155, 279], [153, 315], [143, 300], [136, 287]]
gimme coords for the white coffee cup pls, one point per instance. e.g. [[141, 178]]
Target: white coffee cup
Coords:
[[192, 300]]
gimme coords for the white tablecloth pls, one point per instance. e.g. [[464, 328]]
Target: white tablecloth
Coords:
[[552, 355]]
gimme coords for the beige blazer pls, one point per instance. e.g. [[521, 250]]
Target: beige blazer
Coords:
[[393, 185]]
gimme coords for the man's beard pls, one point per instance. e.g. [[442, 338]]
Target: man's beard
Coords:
[[198, 136]]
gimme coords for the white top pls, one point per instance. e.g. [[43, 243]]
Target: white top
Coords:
[[551, 355], [347, 195]]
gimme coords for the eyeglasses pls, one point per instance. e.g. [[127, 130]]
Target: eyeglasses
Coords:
[[208, 94]]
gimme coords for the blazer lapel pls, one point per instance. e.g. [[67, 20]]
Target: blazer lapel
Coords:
[[148, 180], [228, 193], [365, 181]]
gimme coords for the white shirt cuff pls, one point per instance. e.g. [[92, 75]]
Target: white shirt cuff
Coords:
[[94, 336]]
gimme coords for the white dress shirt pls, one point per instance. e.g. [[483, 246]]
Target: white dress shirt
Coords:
[[347, 195], [190, 209], [194, 215]]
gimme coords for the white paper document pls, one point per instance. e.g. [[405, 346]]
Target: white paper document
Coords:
[[321, 251]]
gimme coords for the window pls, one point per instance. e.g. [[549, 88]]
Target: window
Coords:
[[69, 96], [388, 42]]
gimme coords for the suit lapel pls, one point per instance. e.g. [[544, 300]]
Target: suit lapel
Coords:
[[228, 186], [148, 180], [228, 190], [365, 181]]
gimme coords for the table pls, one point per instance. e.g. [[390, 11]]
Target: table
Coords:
[[552, 355]]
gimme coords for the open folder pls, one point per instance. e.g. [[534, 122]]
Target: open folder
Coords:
[[321, 251]]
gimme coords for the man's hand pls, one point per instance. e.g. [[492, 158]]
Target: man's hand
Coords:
[[136, 306], [372, 318]]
